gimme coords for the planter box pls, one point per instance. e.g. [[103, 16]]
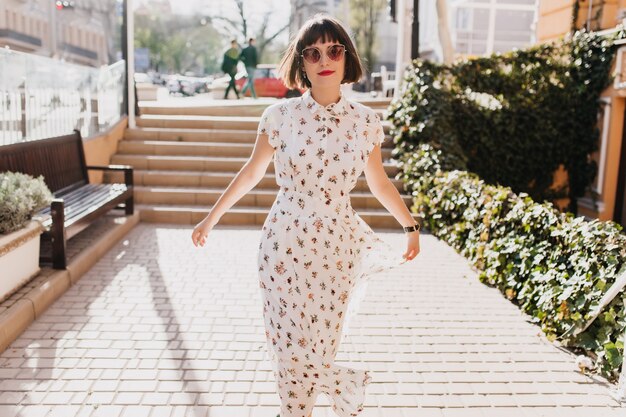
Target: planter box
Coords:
[[19, 258]]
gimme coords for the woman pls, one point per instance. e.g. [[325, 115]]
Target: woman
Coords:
[[315, 251]]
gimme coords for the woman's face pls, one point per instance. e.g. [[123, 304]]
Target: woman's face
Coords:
[[326, 72]]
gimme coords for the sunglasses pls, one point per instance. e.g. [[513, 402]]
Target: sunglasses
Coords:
[[312, 55]]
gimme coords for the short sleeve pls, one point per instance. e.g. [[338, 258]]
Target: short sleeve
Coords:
[[379, 131], [374, 127], [268, 125]]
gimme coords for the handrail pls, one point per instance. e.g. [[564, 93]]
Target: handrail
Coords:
[[43, 97]]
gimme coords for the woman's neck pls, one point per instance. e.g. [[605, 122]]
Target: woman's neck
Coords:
[[326, 96]]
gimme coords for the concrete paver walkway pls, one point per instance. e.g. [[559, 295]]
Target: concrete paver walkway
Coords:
[[160, 328]]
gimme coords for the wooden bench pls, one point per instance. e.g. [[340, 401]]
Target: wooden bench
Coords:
[[77, 203]]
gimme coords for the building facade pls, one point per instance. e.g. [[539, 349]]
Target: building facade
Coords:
[[302, 10], [83, 34], [556, 16], [483, 27], [607, 198], [428, 37]]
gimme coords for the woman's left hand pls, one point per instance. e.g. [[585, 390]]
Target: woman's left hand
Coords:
[[413, 245]]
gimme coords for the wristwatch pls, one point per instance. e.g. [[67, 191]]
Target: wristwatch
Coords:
[[415, 227]]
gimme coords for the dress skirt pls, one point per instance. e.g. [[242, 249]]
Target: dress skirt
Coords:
[[316, 256]]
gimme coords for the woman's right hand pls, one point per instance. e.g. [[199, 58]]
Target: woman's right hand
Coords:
[[201, 231], [413, 245]]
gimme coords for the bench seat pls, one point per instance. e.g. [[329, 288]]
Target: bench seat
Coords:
[[76, 203]]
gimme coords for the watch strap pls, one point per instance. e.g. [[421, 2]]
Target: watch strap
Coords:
[[415, 227]]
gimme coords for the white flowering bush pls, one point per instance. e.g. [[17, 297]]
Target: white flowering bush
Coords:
[[21, 196], [555, 266]]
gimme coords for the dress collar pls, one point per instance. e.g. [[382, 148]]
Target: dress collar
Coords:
[[333, 108]]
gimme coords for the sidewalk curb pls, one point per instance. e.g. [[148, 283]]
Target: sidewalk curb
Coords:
[[33, 304]]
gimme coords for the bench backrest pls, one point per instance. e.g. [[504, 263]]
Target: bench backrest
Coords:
[[61, 160]]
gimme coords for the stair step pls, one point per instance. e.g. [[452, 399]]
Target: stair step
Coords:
[[230, 107], [208, 122], [199, 122], [241, 215], [155, 147], [225, 108], [203, 163], [185, 157], [201, 136], [376, 103], [160, 178], [257, 197], [191, 135]]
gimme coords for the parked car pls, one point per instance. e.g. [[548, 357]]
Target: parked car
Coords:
[[267, 83], [188, 86]]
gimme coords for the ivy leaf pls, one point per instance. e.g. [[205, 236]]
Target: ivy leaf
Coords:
[[612, 355]]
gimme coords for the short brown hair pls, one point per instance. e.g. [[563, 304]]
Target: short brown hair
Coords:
[[327, 29]]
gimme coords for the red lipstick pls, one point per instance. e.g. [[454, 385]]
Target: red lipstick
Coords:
[[325, 73]]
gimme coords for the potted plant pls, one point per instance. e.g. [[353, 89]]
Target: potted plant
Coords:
[[21, 197]]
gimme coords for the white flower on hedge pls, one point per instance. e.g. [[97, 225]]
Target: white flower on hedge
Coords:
[[483, 99], [584, 363]]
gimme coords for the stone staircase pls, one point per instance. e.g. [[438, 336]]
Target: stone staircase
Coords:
[[185, 157]]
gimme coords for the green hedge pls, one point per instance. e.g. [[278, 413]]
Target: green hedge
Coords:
[[478, 143], [555, 266], [513, 118]]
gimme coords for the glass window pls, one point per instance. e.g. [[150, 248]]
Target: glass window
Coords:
[[520, 2], [514, 20], [463, 18], [480, 19]]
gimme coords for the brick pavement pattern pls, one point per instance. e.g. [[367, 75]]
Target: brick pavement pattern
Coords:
[[159, 328]]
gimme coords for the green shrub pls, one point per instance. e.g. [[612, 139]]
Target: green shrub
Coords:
[[555, 266], [478, 143], [512, 118], [21, 196]]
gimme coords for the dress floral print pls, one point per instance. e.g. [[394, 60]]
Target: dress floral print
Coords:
[[316, 254]]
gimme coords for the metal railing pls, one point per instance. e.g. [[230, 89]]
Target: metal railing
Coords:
[[41, 97]]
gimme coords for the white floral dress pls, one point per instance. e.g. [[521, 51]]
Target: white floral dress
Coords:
[[316, 253]]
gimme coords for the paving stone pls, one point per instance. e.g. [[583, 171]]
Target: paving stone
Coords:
[[64, 411], [107, 411], [26, 411], [159, 328], [137, 411]]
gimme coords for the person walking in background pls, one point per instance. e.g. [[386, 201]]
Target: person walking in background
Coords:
[[249, 58], [229, 66]]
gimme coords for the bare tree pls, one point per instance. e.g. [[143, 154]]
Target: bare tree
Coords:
[[302, 10], [364, 18], [240, 27], [444, 32]]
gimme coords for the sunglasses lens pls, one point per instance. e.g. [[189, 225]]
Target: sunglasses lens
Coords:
[[312, 55], [335, 52]]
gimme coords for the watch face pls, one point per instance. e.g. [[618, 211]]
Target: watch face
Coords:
[[411, 228]]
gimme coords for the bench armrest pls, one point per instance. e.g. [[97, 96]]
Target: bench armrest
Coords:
[[128, 171], [109, 167]]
